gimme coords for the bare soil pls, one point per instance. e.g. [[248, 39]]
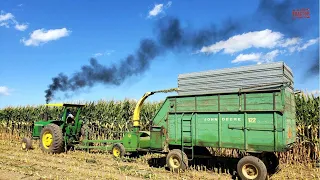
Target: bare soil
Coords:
[[34, 164]]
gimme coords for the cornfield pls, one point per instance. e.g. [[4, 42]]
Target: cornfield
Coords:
[[109, 119]]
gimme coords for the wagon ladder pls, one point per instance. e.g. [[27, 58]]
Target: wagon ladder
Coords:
[[186, 134]]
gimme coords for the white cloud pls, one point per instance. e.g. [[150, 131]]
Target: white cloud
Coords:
[[4, 91], [108, 53], [20, 5], [98, 54], [21, 27], [300, 47], [247, 57], [257, 39], [265, 39], [158, 8], [271, 55], [42, 36], [290, 42], [7, 19], [309, 43], [257, 57], [5, 24]]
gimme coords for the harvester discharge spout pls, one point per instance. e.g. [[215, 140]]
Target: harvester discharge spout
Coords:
[[136, 114]]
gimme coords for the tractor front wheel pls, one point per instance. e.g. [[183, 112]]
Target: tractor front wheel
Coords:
[[51, 139], [177, 159], [118, 150], [26, 144]]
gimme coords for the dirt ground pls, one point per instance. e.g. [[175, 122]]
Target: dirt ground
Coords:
[[27, 165]]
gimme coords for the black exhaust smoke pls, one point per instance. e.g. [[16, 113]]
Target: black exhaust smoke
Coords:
[[94, 73], [171, 36], [313, 69]]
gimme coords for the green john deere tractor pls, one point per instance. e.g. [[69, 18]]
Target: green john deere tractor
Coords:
[[57, 136]]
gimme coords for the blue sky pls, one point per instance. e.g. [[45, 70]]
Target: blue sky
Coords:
[[40, 39]]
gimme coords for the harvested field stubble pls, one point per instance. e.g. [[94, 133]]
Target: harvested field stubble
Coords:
[[34, 164]]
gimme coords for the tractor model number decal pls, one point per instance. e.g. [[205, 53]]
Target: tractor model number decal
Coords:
[[252, 120]]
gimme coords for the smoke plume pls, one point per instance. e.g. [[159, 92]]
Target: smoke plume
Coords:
[[171, 36], [313, 69], [89, 75]]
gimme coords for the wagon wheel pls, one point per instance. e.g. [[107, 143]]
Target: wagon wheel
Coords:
[[118, 150], [26, 144], [250, 167], [177, 159]]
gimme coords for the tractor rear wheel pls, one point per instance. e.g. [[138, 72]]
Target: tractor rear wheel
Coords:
[[177, 159], [118, 150], [250, 167], [26, 144], [51, 139]]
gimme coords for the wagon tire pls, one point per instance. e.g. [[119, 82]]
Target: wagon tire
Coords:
[[26, 144], [51, 139], [177, 160], [118, 150], [250, 167]]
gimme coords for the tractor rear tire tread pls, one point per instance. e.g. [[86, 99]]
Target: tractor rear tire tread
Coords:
[[58, 143]]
